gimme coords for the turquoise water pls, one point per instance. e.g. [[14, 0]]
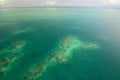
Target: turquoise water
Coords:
[[42, 30]]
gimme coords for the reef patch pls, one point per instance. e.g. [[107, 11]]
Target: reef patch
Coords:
[[14, 52], [16, 46], [6, 62], [62, 55]]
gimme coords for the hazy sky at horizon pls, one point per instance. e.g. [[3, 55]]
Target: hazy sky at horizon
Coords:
[[55, 3]]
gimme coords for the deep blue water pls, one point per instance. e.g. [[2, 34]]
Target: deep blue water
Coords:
[[42, 29]]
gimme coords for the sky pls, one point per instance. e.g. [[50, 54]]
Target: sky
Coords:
[[59, 3]]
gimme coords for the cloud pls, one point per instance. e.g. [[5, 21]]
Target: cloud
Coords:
[[39, 3]]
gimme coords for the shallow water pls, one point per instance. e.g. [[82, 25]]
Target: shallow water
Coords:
[[42, 29]]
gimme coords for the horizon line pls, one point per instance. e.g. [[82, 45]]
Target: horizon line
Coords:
[[66, 7]]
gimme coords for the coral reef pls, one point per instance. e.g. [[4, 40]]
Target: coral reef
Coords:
[[5, 63], [67, 45], [36, 71], [16, 45], [62, 55], [15, 48]]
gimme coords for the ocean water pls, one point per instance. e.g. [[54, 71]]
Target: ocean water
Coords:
[[42, 29]]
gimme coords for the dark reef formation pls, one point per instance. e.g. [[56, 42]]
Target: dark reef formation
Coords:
[[14, 50], [35, 72], [16, 45], [5, 63]]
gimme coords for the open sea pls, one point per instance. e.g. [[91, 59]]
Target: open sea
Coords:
[[35, 33]]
